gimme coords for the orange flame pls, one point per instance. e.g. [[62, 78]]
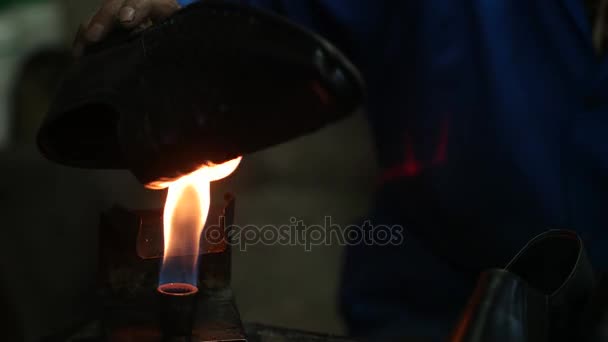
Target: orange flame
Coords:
[[186, 210]]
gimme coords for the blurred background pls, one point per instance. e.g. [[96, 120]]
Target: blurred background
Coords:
[[50, 213]]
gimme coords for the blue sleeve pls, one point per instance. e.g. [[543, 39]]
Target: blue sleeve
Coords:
[[354, 26]]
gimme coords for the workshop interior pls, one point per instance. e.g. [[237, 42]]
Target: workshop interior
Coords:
[[315, 170]]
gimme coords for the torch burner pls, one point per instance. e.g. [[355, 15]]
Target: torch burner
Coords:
[[177, 306], [136, 308]]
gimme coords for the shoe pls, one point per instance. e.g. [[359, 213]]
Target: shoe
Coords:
[[215, 81], [539, 296]]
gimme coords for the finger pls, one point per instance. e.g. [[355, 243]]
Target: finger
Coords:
[[78, 45], [136, 13], [103, 21], [79, 41]]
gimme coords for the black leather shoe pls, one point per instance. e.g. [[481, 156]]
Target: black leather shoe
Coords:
[[215, 81], [539, 296]]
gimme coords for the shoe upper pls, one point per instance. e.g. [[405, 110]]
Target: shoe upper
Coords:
[[503, 308], [541, 294], [556, 263]]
